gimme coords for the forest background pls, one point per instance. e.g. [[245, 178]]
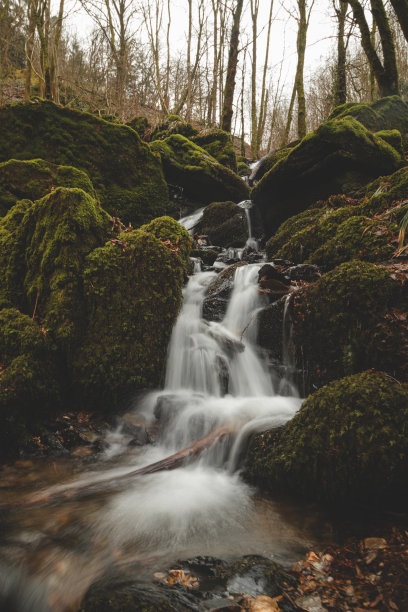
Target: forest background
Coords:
[[295, 60]]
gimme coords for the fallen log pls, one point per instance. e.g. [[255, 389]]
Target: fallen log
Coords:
[[116, 483]]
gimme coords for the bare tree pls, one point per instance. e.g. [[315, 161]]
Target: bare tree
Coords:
[[229, 88]]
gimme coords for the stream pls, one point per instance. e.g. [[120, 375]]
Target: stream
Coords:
[[54, 546]]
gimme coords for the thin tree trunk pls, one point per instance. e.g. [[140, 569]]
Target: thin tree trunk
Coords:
[[264, 92], [254, 117], [29, 46], [401, 10], [340, 94]]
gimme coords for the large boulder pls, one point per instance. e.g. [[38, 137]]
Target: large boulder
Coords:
[[133, 289], [225, 224], [339, 157], [219, 145], [33, 179], [390, 113], [202, 178], [29, 386], [43, 246], [173, 124], [348, 443], [352, 319], [126, 176]]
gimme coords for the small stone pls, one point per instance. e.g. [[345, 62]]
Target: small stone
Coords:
[[375, 543], [311, 603]]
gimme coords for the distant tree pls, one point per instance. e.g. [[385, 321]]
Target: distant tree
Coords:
[[229, 88], [385, 68]]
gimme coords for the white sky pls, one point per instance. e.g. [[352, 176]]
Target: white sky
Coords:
[[283, 33]]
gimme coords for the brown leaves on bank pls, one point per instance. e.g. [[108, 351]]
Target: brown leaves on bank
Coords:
[[366, 575]]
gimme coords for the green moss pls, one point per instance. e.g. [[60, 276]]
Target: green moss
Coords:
[[29, 387], [225, 224], [291, 227], [348, 443], [243, 169], [133, 293], [140, 125], [393, 138], [342, 324], [202, 178], [167, 229], [219, 145], [268, 162], [127, 178], [35, 178], [43, 256], [173, 124], [340, 156], [389, 113], [357, 238], [386, 192]]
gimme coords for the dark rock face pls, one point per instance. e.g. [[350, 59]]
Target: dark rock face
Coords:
[[304, 272], [339, 157], [348, 443], [128, 179], [218, 294]]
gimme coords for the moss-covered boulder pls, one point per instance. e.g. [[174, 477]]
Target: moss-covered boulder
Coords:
[[350, 320], [394, 138], [33, 179], [340, 156], [29, 388], [390, 113], [219, 145], [140, 124], [358, 237], [386, 192], [133, 287], [43, 246], [202, 178], [126, 176], [267, 162], [225, 224], [174, 235], [348, 443], [173, 124]]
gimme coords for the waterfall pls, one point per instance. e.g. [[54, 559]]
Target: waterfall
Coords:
[[247, 205], [217, 388], [190, 221]]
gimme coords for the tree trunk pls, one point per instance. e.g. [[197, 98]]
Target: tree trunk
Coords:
[[401, 10], [301, 50], [340, 93], [29, 46], [231, 69]]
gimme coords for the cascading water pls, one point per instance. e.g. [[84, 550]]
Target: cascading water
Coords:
[[190, 221], [217, 384], [247, 205]]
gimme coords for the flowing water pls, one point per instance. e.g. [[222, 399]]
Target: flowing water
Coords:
[[217, 385]]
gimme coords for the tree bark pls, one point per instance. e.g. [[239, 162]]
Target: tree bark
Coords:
[[231, 69], [340, 93], [401, 10]]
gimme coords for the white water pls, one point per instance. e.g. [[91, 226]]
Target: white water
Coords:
[[215, 378], [247, 205], [190, 221]]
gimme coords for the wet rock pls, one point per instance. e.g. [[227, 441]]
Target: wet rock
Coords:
[[225, 223], [220, 605], [207, 254], [311, 603], [270, 328], [228, 342], [218, 293], [304, 272], [134, 425]]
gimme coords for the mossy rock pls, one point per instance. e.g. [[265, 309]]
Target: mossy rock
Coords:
[[173, 124], [267, 162], [140, 124], [348, 443], [390, 113], [219, 145], [225, 224], [43, 246], [358, 237], [29, 388], [394, 138], [202, 178], [207, 255], [133, 288], [290, 228], [348, 321], [243, 169], [386, 192], [339, 157], [167, 229], [35, 178], [126, 176]]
